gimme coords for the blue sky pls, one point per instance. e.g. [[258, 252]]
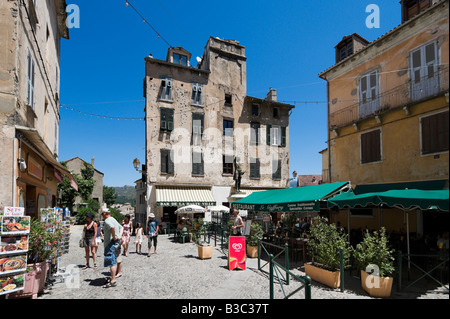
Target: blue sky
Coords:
[[288, 43]]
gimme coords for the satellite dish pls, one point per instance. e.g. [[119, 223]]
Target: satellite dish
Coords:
[[199, 59]]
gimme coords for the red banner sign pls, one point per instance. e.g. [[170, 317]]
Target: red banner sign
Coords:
[[236, 252]]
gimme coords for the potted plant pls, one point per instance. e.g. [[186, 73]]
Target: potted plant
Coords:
[[198, 230], [375, 260], [323, 247], [43, 240], [256, 232]]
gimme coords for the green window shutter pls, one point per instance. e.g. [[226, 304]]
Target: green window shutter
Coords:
[[163, 115], [170, 119], [170, 166], [283, 136], [268, 128], [163, 161]]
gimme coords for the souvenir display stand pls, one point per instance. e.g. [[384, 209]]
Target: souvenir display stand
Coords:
[[14, 232]]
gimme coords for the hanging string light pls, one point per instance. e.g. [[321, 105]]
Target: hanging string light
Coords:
[[159, 36]]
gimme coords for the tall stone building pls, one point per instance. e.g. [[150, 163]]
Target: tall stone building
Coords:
[[202, 129], [30, 34]]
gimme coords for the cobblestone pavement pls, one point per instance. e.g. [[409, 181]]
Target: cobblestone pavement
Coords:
[[175, 272]]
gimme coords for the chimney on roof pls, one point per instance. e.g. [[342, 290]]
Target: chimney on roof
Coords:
[[93, 162], [272, 95]]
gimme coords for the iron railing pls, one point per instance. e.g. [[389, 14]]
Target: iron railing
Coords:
[[400, 96]]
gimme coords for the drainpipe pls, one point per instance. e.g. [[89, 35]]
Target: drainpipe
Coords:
[[328, 131]]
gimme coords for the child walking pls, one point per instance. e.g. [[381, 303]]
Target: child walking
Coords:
[[139, 238]]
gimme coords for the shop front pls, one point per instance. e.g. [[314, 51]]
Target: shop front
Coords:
[[38, 173]]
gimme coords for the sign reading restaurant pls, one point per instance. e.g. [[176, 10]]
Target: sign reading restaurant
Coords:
[[288, 207]]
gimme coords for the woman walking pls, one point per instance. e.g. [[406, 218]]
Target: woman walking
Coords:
[[127, 231], [139, 237], [90, 233], [99, 238]]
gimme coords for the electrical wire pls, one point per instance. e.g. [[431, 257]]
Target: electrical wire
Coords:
[[128, 3]]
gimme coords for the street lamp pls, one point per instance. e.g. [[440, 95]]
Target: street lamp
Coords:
[[136, 164]]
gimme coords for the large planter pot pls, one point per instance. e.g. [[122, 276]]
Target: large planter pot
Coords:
[[204, 252], [252, 251], [375, 286], [34, 281], [329, 278]]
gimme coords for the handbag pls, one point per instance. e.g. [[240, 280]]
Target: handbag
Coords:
[[82, 239]]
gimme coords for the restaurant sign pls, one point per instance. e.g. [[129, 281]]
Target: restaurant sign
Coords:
[[177, 204], [286, 207]]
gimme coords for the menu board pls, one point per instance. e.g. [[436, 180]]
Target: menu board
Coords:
[[14, 230]]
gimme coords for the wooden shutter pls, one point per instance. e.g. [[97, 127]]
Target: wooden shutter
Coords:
[[254, 168], [276, 169], [163, 115], [164, 162], [254, 133], [268, 128], [171, 166], [170, 113], [197, 164], [435, 133], [283, 136], [371, 147]]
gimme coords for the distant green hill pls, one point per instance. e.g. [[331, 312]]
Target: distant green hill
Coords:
[[125, 194]]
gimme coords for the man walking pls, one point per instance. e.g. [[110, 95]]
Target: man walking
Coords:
[[112, 231], [152, 232]]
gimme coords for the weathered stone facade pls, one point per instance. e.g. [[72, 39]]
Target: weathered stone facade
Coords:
[[182, 101], [29, 102]]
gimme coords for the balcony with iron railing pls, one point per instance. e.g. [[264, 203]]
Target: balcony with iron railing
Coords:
[[409, 93]]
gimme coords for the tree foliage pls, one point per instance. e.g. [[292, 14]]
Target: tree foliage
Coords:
[[109, 195]]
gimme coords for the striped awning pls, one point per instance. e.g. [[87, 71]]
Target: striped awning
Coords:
[[184, 196]]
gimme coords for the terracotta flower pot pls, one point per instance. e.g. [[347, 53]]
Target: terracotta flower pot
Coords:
[[252, 251], [34, 281], [376, 286], [205, 252], [329, 278]]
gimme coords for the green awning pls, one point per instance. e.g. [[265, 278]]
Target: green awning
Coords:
[[406, 199], [423, 185], [296, 199]]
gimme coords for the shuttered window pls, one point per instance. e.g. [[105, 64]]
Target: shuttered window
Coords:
[[254, 133], [435, 133], [254, 168], [30, 80], [276, 169], [371, 147], [166, 89], [276, 135], [197, 98], [197, 164], [197, 128], [167, 165], [166, 119]]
